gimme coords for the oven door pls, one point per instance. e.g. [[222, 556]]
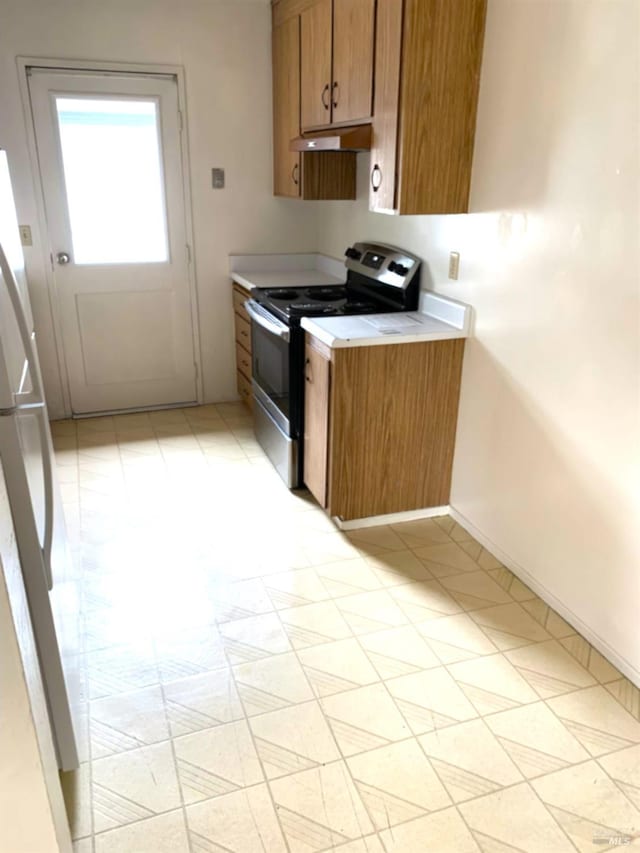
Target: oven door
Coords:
[[271, 356]]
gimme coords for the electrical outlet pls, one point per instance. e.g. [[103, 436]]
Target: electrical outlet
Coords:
[[25, 235], [454, 265]]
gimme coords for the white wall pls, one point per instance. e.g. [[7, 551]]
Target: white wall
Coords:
[[546, 462], [225, 49]]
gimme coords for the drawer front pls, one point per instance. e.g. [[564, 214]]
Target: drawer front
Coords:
[[244, 389], [240, 296], [243, 361], [243, 332]]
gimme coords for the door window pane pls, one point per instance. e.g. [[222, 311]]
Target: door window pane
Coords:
[[113, 176]]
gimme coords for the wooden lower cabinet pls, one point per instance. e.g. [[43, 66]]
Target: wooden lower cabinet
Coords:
[[316, 418], [243, 344], [380, 426]]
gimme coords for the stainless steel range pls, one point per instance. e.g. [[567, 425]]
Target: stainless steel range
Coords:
[[380, 279]]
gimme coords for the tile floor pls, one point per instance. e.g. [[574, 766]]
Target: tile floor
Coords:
[[257, 681]]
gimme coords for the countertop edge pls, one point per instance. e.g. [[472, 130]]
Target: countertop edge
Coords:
[[239, 278], [378, 340]]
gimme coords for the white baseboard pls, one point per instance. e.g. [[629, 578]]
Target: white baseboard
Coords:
[[391, 518], [621, 663]]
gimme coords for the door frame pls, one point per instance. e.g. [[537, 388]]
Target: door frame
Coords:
[[115, 68]]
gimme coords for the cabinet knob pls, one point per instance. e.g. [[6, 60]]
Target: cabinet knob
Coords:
[[376, 178], [325, 91], [335, 93]]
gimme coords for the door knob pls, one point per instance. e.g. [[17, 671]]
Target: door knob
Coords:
[[63, 258]]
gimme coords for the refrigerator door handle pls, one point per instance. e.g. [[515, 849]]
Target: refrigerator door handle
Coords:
[[47, 470], [37, 395]]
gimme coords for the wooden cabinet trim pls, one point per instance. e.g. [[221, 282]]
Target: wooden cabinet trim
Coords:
[[317, 417], [383, 161], [244, 389], [353, 56], [315, 344], [286, 107], [240, 296], [243, 332], [285, 9], [243, 360], [316, 28]]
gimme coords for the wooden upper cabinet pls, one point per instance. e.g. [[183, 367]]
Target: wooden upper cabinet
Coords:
[[315, 64], [336, 56], [384, 149], [286, 107], [312, 176], [353, 45], [427, 72]]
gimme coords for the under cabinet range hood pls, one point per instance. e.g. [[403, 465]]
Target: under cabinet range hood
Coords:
[[337, 139]]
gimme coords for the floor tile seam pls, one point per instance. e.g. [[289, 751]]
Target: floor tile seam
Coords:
[[342, 761], [175, 768], [500, 791], [383, 681], [91, 760], [564, 725], [557, 824], [523, 778], [415, 737], [260, 761], [464, 821], [495, 654], [618, 782], [618, 699], [339, 752]]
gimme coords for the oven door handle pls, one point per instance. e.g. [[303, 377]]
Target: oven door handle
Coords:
[[263, 318]]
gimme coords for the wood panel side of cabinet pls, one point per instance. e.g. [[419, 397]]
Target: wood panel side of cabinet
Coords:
[[329, 175], [286, 107], [393, 426], [284, 9], [315, 64], [382, 175], [353, 49], [441, 60], [316, 419]]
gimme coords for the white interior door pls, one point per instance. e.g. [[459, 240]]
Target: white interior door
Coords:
[[111, 169]]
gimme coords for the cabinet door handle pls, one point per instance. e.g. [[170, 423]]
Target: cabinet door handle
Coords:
[[294, 174], [376, 178], [335, 93], [325, 91]]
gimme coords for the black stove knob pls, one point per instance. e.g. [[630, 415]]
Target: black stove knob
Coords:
[[398, 269], [354, 254]]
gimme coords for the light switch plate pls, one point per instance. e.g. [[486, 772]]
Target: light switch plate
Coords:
[[25, 235], [454, 265], [217, 179]]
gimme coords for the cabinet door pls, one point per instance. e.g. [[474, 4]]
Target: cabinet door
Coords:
[[316, 421], [382, 175], [286, 107], [351, 89], [315, 64]]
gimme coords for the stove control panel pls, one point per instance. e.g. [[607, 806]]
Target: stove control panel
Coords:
[[385, 264]]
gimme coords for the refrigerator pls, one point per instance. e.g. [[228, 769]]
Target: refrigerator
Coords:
[[26, 451]]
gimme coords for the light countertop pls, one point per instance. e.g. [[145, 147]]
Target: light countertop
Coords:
[[285, 278], [440, 319], [292, 270]]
